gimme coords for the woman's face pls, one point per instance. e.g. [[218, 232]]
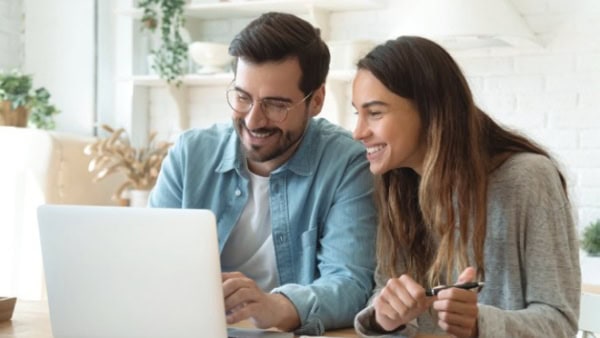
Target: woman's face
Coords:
[[388, 125]]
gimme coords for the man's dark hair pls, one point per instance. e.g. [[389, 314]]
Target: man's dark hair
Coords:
[[278, 36]]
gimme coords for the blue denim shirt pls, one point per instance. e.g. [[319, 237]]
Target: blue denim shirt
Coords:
[[322, 213]]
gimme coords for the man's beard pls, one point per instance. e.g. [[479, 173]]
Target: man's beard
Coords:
[[286, 141]]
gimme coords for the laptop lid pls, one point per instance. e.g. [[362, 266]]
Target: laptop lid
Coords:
[[131, 272]]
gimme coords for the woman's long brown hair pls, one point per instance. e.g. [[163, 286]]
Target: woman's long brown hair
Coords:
[[437, 218]]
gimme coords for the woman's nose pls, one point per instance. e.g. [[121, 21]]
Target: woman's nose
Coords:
[[359, 130]]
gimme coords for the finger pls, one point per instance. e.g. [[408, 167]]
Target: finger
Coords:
[[458, 296], [236, 282], [454, 319], [397, 296], [414, 289], [401, 300], [383, 306], [241, 297], [239, 313], [468, 275], [407, 294], [457, 314], [465, 309], [387, 317], [229, 275], [454, 330]]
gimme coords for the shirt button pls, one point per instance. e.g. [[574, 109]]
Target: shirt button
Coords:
[[237, 192]]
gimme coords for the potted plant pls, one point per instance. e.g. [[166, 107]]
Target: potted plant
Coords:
[[170, 58], [20, 103], [115, 154], [590, 240]]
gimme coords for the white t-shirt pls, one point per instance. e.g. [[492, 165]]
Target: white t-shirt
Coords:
[[249, 249]]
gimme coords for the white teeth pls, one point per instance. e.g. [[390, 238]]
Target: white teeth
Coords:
[[260, 135], [372, 150]]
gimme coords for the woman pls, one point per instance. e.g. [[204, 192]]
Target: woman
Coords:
[[460, 199]]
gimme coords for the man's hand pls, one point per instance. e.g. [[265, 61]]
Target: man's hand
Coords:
[[457, 308], [245, 300], [399, 302]]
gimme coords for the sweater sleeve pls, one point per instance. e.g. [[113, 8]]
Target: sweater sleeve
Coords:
[[364, 322], [546, 259], [364, 326]]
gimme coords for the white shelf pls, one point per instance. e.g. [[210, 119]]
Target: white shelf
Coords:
[[187, 80], [240, 9], [133, 92], [341, 75], [344, 76]]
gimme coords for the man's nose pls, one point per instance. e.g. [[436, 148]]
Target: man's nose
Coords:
[[256, 117]]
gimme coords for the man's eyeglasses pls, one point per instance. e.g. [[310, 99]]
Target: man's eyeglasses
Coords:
[[274, 109]]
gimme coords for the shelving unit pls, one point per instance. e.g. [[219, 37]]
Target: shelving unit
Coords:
[[187, 80], [218, 79], [132, 92], [240, 9]]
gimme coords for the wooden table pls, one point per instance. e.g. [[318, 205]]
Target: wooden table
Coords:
[[590, 288], [30, 319]]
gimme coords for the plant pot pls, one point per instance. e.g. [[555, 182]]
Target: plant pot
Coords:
[[138, 198], [15, 118], [590, 268], [7, 306]]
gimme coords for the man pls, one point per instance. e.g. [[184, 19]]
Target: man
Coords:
[[292, 194]]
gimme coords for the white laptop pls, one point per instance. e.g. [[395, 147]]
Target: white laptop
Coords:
[[133, 272]]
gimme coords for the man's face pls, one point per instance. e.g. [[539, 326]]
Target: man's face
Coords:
[[269, 143]]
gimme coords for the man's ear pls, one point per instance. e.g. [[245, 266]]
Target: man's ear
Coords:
[[317, 101]]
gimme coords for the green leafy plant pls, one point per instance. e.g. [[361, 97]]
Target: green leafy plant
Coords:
[[590, 241], [17, 88], [170, 58]]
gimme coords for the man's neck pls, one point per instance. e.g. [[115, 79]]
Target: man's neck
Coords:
[[267, 167]]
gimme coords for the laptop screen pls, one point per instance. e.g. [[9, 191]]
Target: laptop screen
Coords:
[[131, 272]]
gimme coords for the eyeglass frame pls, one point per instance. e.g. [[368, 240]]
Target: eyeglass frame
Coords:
[[262, 104]]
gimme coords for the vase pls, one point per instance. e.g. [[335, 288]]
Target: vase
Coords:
[[590, 268], [13, 117], [138, 198], [7, 307]]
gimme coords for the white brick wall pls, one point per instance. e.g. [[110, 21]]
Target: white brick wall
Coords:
[[551, 93], [11, 45]]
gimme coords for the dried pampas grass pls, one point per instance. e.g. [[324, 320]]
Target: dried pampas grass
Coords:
[[115, 154]]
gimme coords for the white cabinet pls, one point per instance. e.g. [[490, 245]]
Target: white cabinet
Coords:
[[135, 88]]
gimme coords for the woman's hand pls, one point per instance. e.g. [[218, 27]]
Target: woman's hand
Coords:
[[399, 302], [457, 308]]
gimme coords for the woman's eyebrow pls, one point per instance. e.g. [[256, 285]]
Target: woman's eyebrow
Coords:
[[370, 104]]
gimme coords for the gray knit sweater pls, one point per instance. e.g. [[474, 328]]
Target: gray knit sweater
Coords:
[[532, 275]]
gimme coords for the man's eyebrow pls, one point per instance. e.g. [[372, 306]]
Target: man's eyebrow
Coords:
[[278, 98], [270, 98], [239, 89]]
